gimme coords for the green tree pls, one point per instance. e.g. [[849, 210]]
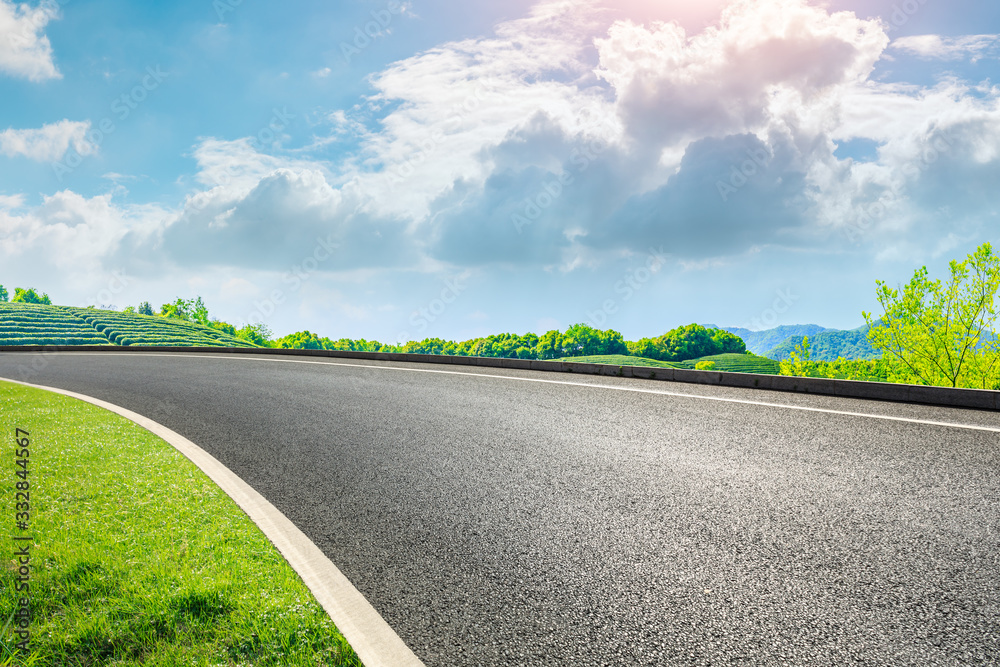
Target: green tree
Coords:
[[199, 312], [179, 309], [30, 296], [644, 347], [942, 333], [727, 343], [550, 345], [581, 340], [224, 327], [612, 342], [301, 340], [145, 308], [3, 294], [683, 343], [798, 363], [258, 334]]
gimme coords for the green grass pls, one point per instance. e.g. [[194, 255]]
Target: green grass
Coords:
[[30, 324], [138, 558], [621, 360]]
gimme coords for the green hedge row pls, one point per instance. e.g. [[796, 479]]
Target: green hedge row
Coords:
[[151, 332], [66, 321], [4, 318], [7, 326], [54, 341], [178, 342], [739, 363]]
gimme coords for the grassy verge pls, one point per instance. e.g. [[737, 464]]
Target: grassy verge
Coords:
[[138, 558]]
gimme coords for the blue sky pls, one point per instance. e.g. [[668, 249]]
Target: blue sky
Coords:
[[471, 168]]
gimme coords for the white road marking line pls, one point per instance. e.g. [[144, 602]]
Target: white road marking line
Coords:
[[375, 642], [802, 408]]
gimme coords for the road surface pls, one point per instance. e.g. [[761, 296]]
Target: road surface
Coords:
[[503, 517]]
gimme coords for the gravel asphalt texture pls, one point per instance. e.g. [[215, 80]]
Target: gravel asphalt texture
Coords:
[[498, 522]]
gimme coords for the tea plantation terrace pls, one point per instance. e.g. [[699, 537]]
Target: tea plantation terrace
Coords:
[[33, 324]]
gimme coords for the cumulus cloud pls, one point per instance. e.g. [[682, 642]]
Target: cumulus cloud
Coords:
[[971, 47], [25, 51], [460, 99], [48, 143], [671, 86], [68, 234], [282, 220]]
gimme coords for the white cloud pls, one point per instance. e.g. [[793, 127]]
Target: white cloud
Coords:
[[9, 202], [462, 98], [734, 78], [972, 47], [25, 51], [48, 143], [69, 235]]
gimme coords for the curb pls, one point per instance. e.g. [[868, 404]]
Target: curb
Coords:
[[979, 399], [373, 640]]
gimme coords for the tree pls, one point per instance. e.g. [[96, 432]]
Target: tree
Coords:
[[942, 333], [258, 334], [550, 345], [224, 327], [301, 340], [683, 343], [3, 294], [179, 309], [644, 347], [145, 308], [727, 343], [199, 311], [581, 340], [612, 342], [31, 296], [798, 362]]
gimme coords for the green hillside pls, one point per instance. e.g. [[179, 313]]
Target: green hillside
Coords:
[[32, 324], [829, 345], [762, 342]]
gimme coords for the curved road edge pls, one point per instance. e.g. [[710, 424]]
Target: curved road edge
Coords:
[[374, 641]]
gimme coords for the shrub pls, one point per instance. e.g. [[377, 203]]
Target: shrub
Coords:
[[31, 296]]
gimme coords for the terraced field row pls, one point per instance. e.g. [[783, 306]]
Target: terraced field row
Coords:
[[30, 324], [738, 363], [24, 324], [122, 329]]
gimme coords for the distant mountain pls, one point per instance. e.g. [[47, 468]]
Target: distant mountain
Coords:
[[761, 342], [829, 345]]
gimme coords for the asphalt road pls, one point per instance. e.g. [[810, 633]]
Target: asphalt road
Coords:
[[493, 521]]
